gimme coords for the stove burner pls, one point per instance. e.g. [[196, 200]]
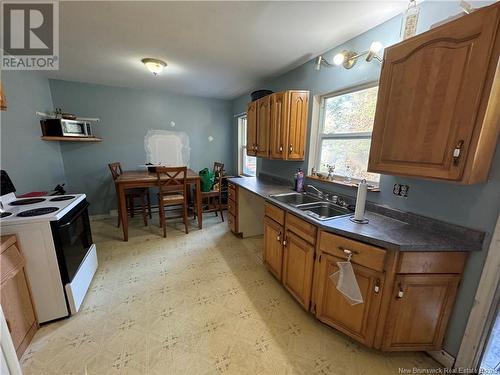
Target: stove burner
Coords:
[[37, 211], [62, 198], [5, 214], [22, 202]]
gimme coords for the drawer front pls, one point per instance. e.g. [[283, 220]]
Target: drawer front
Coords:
[[232, 222], [232, 207], [301, 228], [11, 262], [275, 213], [365, 255], [432, 262], [233, 193]]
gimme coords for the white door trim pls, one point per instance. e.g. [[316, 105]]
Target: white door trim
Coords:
[[474, 338]]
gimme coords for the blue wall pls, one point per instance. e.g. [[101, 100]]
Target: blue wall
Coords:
[[126, 116], [32, 164], [474, 206]]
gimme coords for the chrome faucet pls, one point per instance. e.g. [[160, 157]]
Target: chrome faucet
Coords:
[[319, 192]]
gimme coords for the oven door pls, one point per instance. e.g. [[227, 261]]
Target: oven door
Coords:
[[72, 240]]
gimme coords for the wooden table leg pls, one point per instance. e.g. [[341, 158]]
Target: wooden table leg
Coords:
[[198, 204], [122, 210]]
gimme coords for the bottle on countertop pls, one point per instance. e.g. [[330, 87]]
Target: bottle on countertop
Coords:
[[299, 180]]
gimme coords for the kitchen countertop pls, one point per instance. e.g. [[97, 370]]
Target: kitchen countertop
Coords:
[[394, 229]]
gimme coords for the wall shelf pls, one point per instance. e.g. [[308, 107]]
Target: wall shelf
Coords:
[[72, 139]]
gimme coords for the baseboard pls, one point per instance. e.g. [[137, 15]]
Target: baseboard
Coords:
[[443, 357]]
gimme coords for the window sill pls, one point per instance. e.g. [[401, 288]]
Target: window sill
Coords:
[[337, 181]]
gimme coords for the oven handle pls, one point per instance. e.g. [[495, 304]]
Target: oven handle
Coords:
[[75, 216]]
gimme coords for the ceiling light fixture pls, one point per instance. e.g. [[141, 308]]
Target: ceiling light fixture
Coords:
[[155, 66], [349, 58]]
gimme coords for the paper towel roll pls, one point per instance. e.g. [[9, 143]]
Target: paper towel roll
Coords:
[[359, 213]]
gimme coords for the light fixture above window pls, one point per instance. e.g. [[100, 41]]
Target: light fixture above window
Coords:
[[349, 58], [155, 66]]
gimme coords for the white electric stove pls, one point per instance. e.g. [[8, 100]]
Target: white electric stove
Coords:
[[55, 239]]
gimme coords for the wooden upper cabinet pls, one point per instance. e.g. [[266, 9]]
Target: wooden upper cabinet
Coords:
[[419, 312], [279, 125], [251, 128], [273, 247], [358, 321], [263, 124], [297, 129], [3, 100], [438, 103], [298, 265]]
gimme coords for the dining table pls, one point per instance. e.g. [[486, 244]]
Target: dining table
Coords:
[[145, 179]]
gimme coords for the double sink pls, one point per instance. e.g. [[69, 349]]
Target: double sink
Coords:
[[312, 205]]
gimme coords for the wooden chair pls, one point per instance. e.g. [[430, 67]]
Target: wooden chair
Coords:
[[172, 192], [131, 195], [214, 197]]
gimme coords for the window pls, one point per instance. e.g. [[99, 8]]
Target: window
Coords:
[[247, 164], [344, 133]]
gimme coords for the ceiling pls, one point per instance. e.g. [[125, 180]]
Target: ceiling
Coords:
[[213, 49]]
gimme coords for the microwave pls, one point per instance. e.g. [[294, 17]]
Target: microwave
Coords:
[[66, 128]]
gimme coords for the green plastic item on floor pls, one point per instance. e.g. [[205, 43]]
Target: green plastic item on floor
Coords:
[[207, 179]]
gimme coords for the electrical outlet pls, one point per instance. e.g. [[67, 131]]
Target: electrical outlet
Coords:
[[403, 192], [400, 190]]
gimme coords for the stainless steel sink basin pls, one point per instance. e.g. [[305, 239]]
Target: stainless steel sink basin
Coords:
[[295, 199], [324, 210]]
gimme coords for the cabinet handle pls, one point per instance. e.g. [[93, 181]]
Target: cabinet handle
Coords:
[[457, 151], [281, 148], [278, 238], [290, 148], [348, 252], [400, 292], [377, 286], [284, 242]]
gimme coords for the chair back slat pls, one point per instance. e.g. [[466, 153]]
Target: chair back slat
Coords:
[[171, 178], [116, 169]]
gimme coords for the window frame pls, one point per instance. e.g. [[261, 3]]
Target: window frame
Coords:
[[320, 136], [242, 147]]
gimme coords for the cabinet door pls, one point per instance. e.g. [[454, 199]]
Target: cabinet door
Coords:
[[263, 124], [419, 312], [3, 100], [429, 96], [358, 321], [18, 310], [298, 265], [279, 125], [297, 129], [251, 128], [273, 247]]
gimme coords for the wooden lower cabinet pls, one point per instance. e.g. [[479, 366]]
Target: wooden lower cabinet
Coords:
[[419, 311], [232, 208], [407, 296], [358, 321], [298, 266], [15, 295], [273, 247]]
